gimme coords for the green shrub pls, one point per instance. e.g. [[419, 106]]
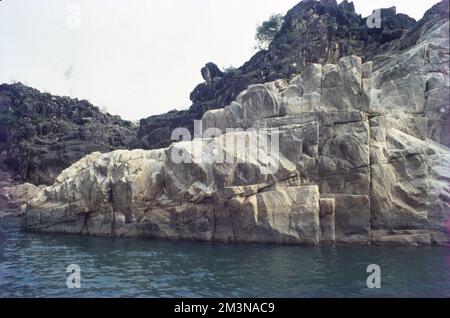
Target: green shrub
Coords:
[[266, 31]]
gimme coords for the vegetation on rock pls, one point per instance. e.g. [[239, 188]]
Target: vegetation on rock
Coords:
[[266, 31]]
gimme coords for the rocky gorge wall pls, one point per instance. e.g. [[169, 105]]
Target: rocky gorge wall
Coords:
[[313, 32], [42, 134], [349, 169], [362, 123]]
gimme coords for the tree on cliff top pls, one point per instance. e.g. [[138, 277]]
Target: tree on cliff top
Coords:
[[266, 31]]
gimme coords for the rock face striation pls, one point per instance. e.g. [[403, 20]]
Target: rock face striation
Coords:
[[41, 134], [361, 154], [313, 32], [345, 172]]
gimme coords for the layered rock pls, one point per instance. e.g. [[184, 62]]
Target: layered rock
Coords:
[[41, 134], [13, 195], [411, 79], [343, 171], [313, 32], [14, 198]]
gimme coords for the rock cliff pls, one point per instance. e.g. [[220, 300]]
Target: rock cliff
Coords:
[[41, 134], [342, 173], [362, 152], [313, 32]]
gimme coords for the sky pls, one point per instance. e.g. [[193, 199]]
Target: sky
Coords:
[[136, 58]]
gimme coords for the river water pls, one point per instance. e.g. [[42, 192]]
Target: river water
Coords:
[[34, 265]]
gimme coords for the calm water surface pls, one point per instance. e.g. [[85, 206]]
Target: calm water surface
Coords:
[[35, 266]]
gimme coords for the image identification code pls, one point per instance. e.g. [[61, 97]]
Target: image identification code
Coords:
[[225, 308]]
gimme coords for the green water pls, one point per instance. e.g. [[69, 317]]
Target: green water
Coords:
[[35, 266]]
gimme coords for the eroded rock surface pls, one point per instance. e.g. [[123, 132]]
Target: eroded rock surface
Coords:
[[43, 134], [314, 31], [345, 172]]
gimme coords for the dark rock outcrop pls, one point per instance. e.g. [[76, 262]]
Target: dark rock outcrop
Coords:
[[41, 134], [313, 32]]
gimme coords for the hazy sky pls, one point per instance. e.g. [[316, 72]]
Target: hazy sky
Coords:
[[138, 57]]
